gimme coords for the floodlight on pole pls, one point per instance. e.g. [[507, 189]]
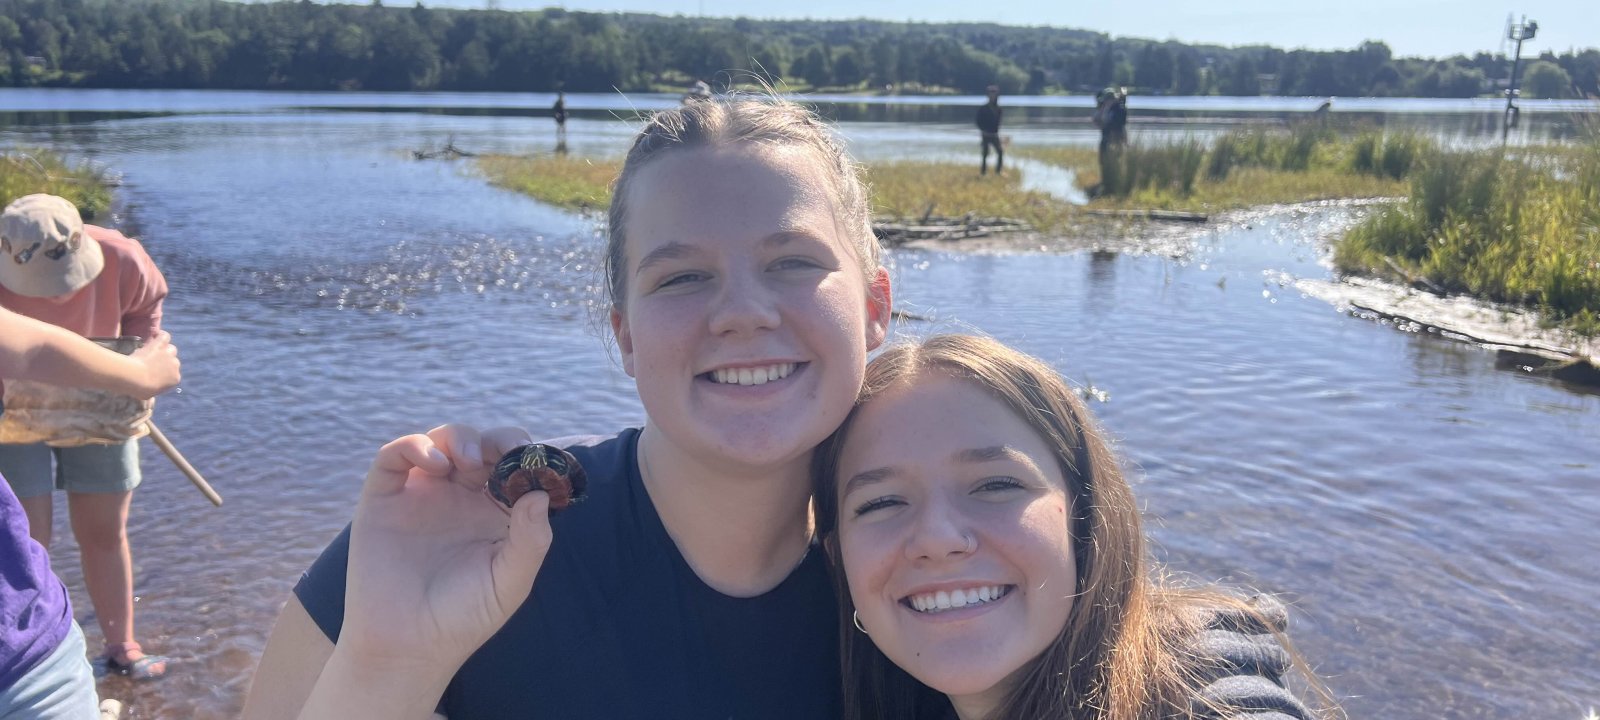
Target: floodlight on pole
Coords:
[[1524, 30]]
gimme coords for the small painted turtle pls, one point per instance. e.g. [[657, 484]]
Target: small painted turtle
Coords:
[[538, 467]]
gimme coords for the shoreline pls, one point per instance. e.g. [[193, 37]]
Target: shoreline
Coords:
[[1502, 328], [1111, 228], [1517, 333]]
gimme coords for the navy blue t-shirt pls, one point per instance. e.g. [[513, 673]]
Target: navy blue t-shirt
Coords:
[[619, 626]]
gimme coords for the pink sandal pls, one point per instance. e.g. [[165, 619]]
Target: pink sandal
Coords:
[[149, 667]]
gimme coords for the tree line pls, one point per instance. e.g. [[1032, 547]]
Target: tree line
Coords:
[[301, 45]]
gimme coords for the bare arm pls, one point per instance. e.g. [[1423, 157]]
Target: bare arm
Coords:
[[434, 570], [33, 350], [296, 657]]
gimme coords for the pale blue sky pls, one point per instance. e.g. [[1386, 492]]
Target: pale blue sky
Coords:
[[1411, 27]]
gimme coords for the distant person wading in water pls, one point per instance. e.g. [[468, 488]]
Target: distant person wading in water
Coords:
[[559, 112], [989, 126], [1111, 116]]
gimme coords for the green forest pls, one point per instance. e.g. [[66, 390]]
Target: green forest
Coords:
[[300, 45]]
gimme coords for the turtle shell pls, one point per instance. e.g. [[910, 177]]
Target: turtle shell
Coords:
[[538, 467]]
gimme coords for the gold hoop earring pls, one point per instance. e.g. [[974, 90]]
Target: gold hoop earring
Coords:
[[856, 616]]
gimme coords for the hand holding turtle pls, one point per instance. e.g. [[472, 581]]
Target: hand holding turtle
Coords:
[[435, 567]]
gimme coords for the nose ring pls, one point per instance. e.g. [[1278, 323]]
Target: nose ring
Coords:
[[856, 616], [972, 543]]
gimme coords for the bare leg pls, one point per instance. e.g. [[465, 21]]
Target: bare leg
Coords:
[[38, 509], [100, 523]]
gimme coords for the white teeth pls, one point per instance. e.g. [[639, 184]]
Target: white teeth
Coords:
[[952, 599], [752, 376]]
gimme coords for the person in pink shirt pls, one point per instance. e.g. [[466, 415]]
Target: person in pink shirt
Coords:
[[98, 283]]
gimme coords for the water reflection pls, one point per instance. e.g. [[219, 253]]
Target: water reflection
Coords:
[[1472, 121], [44, 118]]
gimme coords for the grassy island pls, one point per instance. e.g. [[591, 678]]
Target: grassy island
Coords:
[[904, 189], [1518, 227], [560, 180], [25, 172], [1257, 166], [1242, 169]]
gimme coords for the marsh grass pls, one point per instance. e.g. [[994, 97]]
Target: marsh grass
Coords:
[[25, 172], [1252, 177], [561, 180], [1291, 150], [907, 189], [1247, 167], [1161, 169], [900, 189], [1392, 156], [1259, 186], [1497, 227]]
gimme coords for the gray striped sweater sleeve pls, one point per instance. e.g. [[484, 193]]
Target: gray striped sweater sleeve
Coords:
[[1241, 665]]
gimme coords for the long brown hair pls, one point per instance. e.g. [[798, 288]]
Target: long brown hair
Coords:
[[1121, 654]]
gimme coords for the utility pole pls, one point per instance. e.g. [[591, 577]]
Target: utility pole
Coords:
[[1518, 32]]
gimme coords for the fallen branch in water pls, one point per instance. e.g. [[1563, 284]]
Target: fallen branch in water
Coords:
[[448, 152], [896, 231], [1163, 215]]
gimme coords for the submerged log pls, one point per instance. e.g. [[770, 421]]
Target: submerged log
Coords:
[[1575, 370], [894, 231], [1161, 215], [1519, 335]]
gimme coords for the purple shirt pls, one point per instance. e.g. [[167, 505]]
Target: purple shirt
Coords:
[[35, 614]]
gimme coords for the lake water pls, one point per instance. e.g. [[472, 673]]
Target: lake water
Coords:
[[1431, 514]]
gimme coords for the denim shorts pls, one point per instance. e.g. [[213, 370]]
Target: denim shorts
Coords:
[[83, 469], [60, 687]]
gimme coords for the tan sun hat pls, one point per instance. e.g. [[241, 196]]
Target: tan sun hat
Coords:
[[43, 249]]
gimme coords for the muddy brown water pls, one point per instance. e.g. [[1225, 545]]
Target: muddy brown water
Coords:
[[1431, 516]]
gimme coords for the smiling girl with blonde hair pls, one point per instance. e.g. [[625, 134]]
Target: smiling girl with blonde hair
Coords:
[[746, 292]]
